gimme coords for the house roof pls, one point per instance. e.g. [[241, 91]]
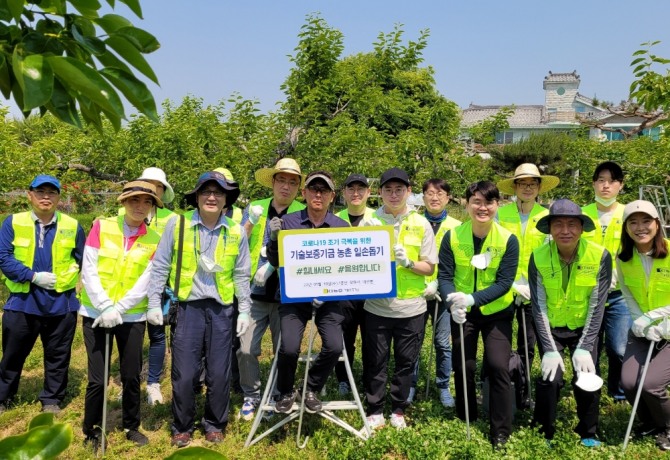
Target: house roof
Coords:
[[524, 116], [571, 77]]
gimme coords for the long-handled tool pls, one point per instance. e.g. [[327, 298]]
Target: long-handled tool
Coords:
[[465, 384], [637, 395], [312, 333], [432, 345], [525, 347], [104, 394]]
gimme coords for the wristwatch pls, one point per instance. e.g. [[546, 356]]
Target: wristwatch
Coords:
[[411, 265]]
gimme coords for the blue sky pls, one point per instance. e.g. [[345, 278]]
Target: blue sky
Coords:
[[483, 52]]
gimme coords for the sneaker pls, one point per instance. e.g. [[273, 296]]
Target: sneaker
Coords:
[[446, 399], [181, 439], [312, 403], [375, 421], [285, 402], [590, 442], [412, 393], [51, 408], [215, 437], [138, 438], [398, 419], [343, 388], [662, 441], [498, 442], [94, 441], [154, 394], [248, 410]]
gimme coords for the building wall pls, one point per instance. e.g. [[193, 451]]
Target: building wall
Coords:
[[560, 102]]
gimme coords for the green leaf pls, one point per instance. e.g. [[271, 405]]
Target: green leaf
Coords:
[[637, 61], [36, 80], [141, 39], [77, 76], [40, 442], [57, 7], [93, 45], [196, 452], [90, 112], [43, 419], [63, 107], [134, 6], [131, 55], [87, 8], [638, 52], [109, 59], [111, 22], [5, 78], [135, 91], [15, 8], [116, 121]]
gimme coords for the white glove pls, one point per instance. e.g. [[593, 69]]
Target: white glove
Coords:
[[522, 289], [110, 317], [430, 292], [255, 213], [371, 222], [263, 273], [401, 256], [46, 280], [654, 334], [458, 315], [582, 361], [242, 324], [640, 325], [155, 316], [665, 328], [275, 226], [551, 361], [460, 300]]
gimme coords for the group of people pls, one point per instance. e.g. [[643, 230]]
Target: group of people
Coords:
[[577, 279]]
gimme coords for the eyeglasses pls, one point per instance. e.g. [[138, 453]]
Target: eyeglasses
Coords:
[[357, 190], [394, 191], [45, 193], [528, 185], [435, 194], [206, 193], [486, 204], [318, 190], [281, 181]]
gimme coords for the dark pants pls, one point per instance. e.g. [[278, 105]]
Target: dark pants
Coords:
[[496, 331], [204, 327], [292, 319], [156, 352], [654, 407], [613, 338], [380, 331], [19, 333], [547, 393], [524, 311], [129, 340], [353, 314], [442, 344]]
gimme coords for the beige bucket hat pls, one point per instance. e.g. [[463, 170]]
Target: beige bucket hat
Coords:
[[522, 171], [285, 165]]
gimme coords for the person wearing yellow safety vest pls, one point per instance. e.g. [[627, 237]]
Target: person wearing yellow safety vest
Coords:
[[285, 180], [355, 191], [436, 196], [115, 278], [397, 321], [569, 278], [40, 255], [478, 263], [520, 217], [643, 266], [214, 269], [607, 214]]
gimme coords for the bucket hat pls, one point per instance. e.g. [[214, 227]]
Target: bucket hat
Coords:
[[565, 208], [527, 170], [158, 174], [285, 165], [140, 187]]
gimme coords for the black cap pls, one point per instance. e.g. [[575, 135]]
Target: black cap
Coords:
[[565, 208], [395, 174], [353, 178], [614, 169]]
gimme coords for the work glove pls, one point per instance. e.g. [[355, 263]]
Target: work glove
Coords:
[[275, 227], [654, 334], [522, 289], [263, 273], [665, 328], [430, 292], [316, 303], [46, 280], [371, 222], [401, 256], [582, 361], [255, 213], [459, 315], [155, 316], [242, 324], [640, 325], [551, 361], [460, 300], [110, 317]]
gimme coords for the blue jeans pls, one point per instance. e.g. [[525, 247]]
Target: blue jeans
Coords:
[[442, 344], [616, 324], [156, 352]]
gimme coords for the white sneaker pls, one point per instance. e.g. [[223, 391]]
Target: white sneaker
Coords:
[[398, 420], [375, 421], [248, 410], [154, 394]]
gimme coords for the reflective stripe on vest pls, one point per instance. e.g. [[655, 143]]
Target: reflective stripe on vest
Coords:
[[410, 236], [119, 270], [508, 217], [569, 308], [225, 255], [462, 246], [63, 264], [651, 294], [367, 215], [446, 225]]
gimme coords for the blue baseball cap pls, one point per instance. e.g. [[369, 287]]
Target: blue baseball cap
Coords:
[[45, 179]]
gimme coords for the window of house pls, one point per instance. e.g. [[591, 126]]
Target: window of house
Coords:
[[506, 137]]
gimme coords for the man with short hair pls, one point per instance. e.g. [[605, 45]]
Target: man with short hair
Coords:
[[607, 215], [569, 278], [41, 252], [285, 180]]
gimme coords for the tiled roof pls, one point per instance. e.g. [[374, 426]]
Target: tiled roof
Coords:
[[560, 78], [525, 116]]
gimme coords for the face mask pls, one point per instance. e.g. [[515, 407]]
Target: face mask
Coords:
[[209, 265], [605, 202], [481, 261]]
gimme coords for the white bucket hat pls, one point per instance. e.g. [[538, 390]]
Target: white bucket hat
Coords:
[[158, 174], [527, 170]]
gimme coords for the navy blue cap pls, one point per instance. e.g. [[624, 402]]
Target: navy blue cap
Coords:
[[565, 208], [45, 179], [231, 188], [394, 174]]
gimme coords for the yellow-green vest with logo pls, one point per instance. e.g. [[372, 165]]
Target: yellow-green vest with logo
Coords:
[[508, 217], [612, 239], [462, 246], [410, 236], [446, 225], [159, 220], [367, 215], [569, 308], [225, 255], [256, 236], [651, 294], [118, 272], [237, 215], [63, 264]]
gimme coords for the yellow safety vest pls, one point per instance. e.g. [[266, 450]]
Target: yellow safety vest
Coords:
[[237, 215], [569, 308], [118, 269], [612, 238], [63, 264], [651, 294], [225, 255], [446, 225], [462, 246], [410, 236], [257, 232], [508, 217], [159, 220], [367, 215]]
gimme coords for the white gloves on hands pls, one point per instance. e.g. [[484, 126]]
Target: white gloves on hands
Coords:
[[401, 256], [155, 316], [654, 334], [255, 213], [430, 292], [458, 315], [263, 273], [275, 227], [640, 325], [460, 300], [46, 280], [582, 361], [242, 324], [110, 317], [522, 289], [551, 361]]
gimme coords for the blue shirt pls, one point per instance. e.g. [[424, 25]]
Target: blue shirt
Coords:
[[37, 301]]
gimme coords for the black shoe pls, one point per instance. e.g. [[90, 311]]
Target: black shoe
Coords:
[[285, 402], [312, 403], [644, 430], [499, 441], [662, 441], [94, 441], [137, 437]]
